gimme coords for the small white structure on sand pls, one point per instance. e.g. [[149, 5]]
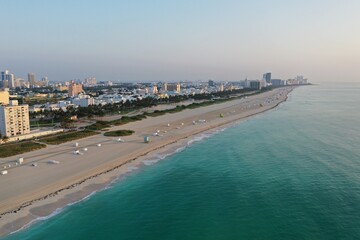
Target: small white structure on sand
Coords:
[[20, 161], [146, 139], [120, 140], [77, 152], [168, 124], [182, 124], [85, 149], [76, 144], [4, 172], [99, 145], [194, 123], [34, 164]]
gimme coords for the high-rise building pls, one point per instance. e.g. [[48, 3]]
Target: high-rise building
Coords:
[[211, 83], [74, 89], [9, 77], [14, 119], [255, 84], [4, 97], [153, 90], [267, 77], [173, 87], [221, 88], [90, 81], [164, 87], [31, 79]]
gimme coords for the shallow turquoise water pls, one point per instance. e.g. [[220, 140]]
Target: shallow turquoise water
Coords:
[[291, 173]]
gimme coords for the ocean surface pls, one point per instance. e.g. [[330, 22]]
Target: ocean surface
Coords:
[[290, 173]]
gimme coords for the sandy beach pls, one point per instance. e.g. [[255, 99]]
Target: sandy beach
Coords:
[[29, 193]]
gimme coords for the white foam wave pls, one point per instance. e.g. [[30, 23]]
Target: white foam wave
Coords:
[[132, 168], [54, 213], [158, 157]]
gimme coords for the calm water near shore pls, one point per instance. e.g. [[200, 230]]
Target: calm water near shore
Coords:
[[291, 173]]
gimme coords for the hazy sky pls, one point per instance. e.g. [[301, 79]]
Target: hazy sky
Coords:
[[148, 40]]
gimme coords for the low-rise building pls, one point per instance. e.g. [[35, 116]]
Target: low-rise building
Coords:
[[83, 101]]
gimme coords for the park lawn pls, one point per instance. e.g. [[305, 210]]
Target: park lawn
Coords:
[[119, 133], [67, 137], [11, 149]]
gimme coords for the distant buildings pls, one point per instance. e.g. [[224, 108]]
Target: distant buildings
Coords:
[[255, 84], [277, 82], [211, 83], [14, 119], [83, 100], [296, 81], [31, 79], [173, 87], [75, 89], [8, 79], [61, 88], [267, 77], [164, 87], [90, 81]]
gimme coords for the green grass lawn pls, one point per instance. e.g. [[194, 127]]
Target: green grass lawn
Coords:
[[99, 125], [66, 137], [119, 133], [11, 149]]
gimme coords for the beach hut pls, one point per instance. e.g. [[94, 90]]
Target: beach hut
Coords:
[[99, 145], [4, 172], [85, 149], [20, 161], [76, 144], [146, 139]]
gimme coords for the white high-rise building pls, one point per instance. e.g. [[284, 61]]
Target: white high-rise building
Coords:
[[9, 77]]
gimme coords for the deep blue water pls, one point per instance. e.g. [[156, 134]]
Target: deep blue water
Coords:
[[291, 173]]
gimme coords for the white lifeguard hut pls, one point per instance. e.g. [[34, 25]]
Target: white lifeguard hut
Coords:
[[20, 161], [146, 139]]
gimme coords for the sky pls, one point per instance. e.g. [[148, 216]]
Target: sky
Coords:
[[168, 40]]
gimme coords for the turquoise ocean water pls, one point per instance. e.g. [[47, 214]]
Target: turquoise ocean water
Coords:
[[291, 173]]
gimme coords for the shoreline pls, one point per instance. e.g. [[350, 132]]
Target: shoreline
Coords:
[[43, 207]]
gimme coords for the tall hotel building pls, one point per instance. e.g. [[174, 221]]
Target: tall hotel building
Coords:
[[75, 89], [14, 118]]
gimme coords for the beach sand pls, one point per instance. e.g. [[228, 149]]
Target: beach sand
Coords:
[[30, 193]]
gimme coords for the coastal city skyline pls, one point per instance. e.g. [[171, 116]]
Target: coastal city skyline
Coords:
[[181, 119], [185, 40]]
